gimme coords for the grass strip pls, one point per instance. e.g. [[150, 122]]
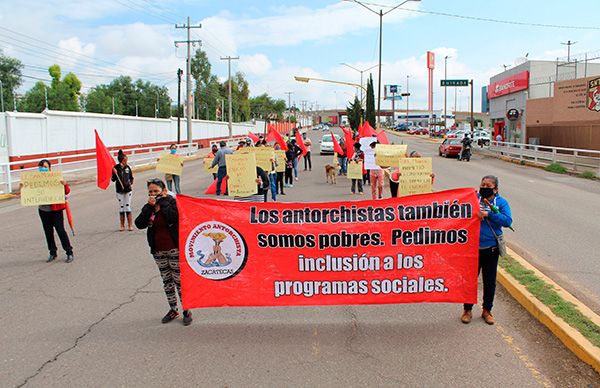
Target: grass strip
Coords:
[[546, 293]]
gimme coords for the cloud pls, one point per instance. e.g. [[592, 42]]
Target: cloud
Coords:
[[257, 64], [77, 50]]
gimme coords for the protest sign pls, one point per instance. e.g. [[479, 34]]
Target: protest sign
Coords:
[[42, 188], [241, 170], [369, 153], [263, 155], [170, 164], [387, 155], [207, 163], [415, 176], [280, 160], [423, 249], [335, 162], [355, 170]]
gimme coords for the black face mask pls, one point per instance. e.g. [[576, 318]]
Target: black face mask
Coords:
[[486, 192]]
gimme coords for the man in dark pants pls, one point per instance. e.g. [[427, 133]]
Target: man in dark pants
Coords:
[[220, 161]]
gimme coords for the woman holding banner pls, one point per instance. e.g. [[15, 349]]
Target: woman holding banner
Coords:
[[53, 219], [494, 215], [161, 217], [123, 178]]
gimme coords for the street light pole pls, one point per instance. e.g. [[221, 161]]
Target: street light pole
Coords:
[[407, 97], [445, 91]]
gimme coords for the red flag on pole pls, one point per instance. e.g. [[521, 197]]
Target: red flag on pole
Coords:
[[270, 130], [382, 137], [349, 143], [279, 139], [367, 130], [336, 146], [212, 189], [300, 143], [252, 136], [104, 163]]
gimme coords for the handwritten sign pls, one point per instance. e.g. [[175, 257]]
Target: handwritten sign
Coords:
[[170, 164], [42, 188], [263, 155], [415, 176], [369, 153], [207, 163], [355, 170], [241, 169], [280, 160], [387, 155]]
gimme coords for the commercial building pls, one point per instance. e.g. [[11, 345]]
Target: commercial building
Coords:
[[510, 91]]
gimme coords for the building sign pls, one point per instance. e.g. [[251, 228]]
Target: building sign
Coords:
[[509, 85], [430, 60], [512, 114], [593, 95], [454, 82]]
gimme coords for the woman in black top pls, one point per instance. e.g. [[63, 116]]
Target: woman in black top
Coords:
[[123, 178]]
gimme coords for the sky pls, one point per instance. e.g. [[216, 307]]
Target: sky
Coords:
[[276, 40]]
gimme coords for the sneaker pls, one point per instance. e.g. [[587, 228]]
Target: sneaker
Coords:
[[69, 258], [466, 316], [296, 178], [488, 317], [172, 314], [187, 317], [51, 257]]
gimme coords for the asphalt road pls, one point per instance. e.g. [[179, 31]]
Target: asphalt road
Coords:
[[96, 321], [556, 217]]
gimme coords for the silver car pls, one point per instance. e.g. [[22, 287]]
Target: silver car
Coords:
[[327, 144]]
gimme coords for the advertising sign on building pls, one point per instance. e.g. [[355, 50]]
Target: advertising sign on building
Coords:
[[509, 85], [593, 95], [430, 60]]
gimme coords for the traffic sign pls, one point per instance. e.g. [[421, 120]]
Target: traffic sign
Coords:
[[455, 82], [393, 88]]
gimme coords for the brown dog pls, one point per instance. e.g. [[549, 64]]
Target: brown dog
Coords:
[[330, 173]]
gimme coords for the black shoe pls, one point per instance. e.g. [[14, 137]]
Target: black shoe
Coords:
[[187, 317], [69, 258], [51, 257], [172, 314]]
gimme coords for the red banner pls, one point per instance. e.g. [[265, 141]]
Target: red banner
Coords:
[[420, 248], [509, 85]]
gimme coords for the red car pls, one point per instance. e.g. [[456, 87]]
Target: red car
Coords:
[[450, 147]]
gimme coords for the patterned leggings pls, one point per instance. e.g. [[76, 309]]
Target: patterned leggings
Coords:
[[168, 265]]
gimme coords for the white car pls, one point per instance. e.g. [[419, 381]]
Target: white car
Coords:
[[483, 137], [327, 143]]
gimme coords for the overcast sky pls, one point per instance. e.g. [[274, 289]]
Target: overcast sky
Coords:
[[99, 40]]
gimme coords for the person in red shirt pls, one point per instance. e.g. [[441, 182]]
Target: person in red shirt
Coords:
[[161, 218], [53, 219]]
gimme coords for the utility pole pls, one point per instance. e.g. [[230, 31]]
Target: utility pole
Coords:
[[136, 108], [445, 91], [157, 107], [113, 105], [568, 44], [45, 98], [407, 97], [229, 59], [289, 106], [472, 120], [179, 74], [188, 94], [1, 96]]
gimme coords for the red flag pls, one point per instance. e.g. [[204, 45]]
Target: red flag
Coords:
[[212, 189], [270, 130], [252, 136], [382, 137], [278, 138], [349, 143], [367, 130], [336, 146], [70, 216], [300, 143], [104, 163]]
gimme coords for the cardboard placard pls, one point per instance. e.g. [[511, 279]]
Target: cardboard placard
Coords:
[[355, 170], [170, 164], [387, 155], [42, 188], [241, 169], [280, 160], [207, 163], [415, 176]]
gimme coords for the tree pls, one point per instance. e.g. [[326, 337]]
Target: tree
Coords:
[[34, 99], [264, 107], [354, 112], [11, 77], [370, 108]]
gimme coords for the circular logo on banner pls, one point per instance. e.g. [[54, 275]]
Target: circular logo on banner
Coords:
[[512, 114], [216, 251]]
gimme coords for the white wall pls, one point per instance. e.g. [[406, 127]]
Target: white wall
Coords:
[[56, 131]]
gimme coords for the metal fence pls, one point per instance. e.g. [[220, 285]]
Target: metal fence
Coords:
[[576, 160], [10, 176]]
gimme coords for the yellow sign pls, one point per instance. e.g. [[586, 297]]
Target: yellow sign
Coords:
[[335, 162], [241, 169], [415, 176], [207, 163], [170, 164], [42, 188], [387, 155], [263, 156], [355, 170], [280, 160]]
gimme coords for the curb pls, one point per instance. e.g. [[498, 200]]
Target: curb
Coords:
[[571, 338]]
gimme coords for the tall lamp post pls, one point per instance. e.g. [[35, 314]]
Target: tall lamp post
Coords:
[[381, 14], [407, 97], [445, 90], [361, 76]]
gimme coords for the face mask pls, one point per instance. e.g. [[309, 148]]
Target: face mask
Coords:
[[43, 169], [486, 192], [173, 152]]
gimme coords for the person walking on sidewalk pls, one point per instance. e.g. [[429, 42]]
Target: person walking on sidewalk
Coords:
[[53, 219], [307, 145], [494, 214], [219, 160], [161, 217], [123, 178]]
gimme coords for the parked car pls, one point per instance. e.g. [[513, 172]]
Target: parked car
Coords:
[[450, 147], [482, 138], [327, 144], [456, 134]]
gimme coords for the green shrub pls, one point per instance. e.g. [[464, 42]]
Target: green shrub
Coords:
[[556, 168], [588, 175]]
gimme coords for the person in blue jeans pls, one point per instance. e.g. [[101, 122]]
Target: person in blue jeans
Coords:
[[494, 215], [220, 161], [173, 179]]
